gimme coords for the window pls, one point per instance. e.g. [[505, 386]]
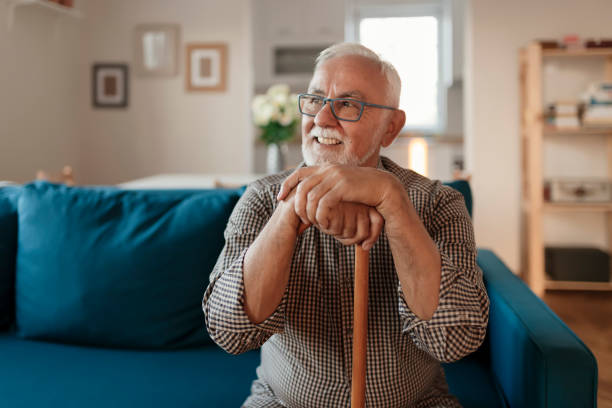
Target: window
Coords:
[[410, 38]]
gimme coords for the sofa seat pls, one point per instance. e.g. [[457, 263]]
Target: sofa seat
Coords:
[[37, 373], [41, 374]]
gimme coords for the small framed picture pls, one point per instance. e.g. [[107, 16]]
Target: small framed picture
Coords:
[[206, 67], [110, 85], [156, 48]]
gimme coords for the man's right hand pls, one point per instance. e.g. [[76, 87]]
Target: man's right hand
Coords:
[[352, 223], [349, 223]]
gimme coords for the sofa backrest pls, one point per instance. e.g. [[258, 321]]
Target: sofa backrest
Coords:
[[8, 251], [75, 241], [116, 268]]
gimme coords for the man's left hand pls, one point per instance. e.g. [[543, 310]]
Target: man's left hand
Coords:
[[319, 190]]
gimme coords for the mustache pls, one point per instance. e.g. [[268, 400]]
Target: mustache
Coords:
[[324, 132]]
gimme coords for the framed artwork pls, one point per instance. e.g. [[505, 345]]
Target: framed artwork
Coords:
[[156, 47], [206, 67], [110, 85]]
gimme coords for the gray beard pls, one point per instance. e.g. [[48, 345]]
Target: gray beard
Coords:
[[345, 159]]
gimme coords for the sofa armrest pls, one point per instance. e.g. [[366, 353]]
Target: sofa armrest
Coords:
[[537, 360]]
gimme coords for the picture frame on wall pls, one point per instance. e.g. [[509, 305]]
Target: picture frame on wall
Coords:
[[110, 85], [156, 48], [206, 67]]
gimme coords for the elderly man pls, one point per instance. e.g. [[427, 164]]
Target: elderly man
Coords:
[[284, 281]]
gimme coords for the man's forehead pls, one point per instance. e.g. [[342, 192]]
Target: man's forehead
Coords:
[[351, 93], [345, 77]]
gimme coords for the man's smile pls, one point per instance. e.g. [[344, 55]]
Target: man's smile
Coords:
[[327, 140]]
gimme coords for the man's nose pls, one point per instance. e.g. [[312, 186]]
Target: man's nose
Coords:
[[325, 117]]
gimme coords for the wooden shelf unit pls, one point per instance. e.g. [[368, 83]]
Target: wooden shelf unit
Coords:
[[594, 131], [533, 132], [574, 285]]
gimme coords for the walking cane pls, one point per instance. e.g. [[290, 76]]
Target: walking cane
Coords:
[[360, 327]]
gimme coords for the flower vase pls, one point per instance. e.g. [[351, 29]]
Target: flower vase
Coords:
[[276, 158]]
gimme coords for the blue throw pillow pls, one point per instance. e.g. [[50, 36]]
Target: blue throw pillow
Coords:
[[8, 252], [117, 268]]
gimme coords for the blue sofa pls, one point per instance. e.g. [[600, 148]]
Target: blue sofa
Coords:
[[100, 293]]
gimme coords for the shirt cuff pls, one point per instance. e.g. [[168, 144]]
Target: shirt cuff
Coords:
[[226, 303]]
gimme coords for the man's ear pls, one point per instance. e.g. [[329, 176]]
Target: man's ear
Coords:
[[394, 127]]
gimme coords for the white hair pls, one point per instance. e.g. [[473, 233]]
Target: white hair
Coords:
[[386, 68]]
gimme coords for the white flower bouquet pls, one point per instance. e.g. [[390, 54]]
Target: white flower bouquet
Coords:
[[276, 113]]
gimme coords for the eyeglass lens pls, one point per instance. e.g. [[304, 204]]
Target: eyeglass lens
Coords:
[[343, 108]]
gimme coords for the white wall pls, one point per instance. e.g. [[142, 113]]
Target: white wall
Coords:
[[496, 30], [166, 129], [38, 92]]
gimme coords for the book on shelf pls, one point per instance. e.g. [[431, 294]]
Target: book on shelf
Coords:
[[598, 115], [563, 114]]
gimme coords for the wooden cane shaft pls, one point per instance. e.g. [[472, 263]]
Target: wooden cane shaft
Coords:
[[360, 327]]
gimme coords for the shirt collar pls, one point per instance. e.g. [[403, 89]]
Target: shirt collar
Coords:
[[379, 165]]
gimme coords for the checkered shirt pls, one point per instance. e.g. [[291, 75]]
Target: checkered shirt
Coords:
[[306, 344]]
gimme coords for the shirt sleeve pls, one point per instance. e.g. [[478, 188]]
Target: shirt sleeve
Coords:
[[458, 326], [223, 303]]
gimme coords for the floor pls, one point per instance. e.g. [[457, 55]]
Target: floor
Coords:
[[589, 315]]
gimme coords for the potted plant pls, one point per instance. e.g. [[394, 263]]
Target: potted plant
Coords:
[[276, 114]]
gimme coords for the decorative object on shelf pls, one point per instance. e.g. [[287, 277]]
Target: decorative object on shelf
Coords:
[[573, 263], [549, 44], [601, 43], [577, 191], [109, 85], [564, 114], [276, 114], [572, 41], [598, 105], [66, 176], [67, 3], [206, 67], [156, 47]]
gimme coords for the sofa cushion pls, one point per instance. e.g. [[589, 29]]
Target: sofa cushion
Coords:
[[117, 268], [8, 250], [41, 374]]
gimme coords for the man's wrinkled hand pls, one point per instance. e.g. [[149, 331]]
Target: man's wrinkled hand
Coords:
[[352, 223], [338, 200]]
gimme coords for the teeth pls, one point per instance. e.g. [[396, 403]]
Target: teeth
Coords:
[[328, 140]]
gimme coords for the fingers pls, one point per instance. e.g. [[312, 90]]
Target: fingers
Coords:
[[350, 225], [293, 180], [307, 194], [312, 205], [377, 223], [323, 196]]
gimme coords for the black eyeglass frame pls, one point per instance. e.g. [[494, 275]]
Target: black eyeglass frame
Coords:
[[332, 100]]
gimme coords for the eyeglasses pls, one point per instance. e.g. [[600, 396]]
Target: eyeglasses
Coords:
[[342, 108]]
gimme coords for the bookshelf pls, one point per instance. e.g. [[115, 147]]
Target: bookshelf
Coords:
[[534, 133]]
